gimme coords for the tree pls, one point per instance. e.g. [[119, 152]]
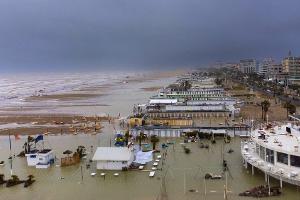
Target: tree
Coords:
[[185, 85], [154, 140], [265, 108], [126, 135], [30, 177], [290, 108], [15, 178], [141, 137], [218, 81]]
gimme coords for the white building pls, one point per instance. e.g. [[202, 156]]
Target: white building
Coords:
[[248, 66], [275, 151], [113, 158], [40, 159]]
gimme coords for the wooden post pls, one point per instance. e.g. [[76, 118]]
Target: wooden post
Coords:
[[204, 187], [184, 182]]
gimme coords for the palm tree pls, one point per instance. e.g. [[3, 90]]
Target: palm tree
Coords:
[[30, 177], [126, 135], [141, 137], [185, 85], [290, 108], [2, 179], [265, 108], [15, 178], [154, 139]]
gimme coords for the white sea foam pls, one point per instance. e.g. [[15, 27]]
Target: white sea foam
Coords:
[[15, 88]]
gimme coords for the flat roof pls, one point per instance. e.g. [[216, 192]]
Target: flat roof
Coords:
[[278, 139], [112, 154], [162, 101]]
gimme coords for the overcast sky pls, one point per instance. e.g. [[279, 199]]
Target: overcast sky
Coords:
[[110, 34]]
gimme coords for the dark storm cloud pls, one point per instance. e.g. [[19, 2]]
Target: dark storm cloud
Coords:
[[105, 34]]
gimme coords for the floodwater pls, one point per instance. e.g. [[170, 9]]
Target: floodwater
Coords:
[[182, 172]]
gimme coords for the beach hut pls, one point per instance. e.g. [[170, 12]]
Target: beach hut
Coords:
[[40, 159], [113, 158]]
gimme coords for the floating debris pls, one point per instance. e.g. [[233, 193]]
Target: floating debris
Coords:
[[186, 150], [230, 151], [29, 181], [212, 176], [13, 181], [261, 191]]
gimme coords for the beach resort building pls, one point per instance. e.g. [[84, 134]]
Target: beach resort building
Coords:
[[113, 158], [193, 94], [275, 151]]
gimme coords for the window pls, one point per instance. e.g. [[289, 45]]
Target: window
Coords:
[[282, 158], [295, 161], [262, 152], [257, 149], [124, 162], [270, 156]]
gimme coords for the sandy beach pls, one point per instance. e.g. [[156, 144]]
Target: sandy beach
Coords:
[[55, 113]]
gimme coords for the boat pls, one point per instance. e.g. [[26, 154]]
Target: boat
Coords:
[[93, 174], [151, 174], [2, 163], [102, 174], [141, 167], [274, 150]]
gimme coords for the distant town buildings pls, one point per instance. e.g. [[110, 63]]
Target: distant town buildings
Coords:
[[248, 66], [291, 66], [265, 66], [287, 71]]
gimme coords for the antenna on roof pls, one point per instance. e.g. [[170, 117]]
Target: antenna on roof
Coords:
[[290, 53]]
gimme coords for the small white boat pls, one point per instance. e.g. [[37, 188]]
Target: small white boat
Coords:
[[158, 156], [102, 174], [116, 174], [93, 174], [155, 163], [157, 160], [154, 168], [141, 167], [151, 174]]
